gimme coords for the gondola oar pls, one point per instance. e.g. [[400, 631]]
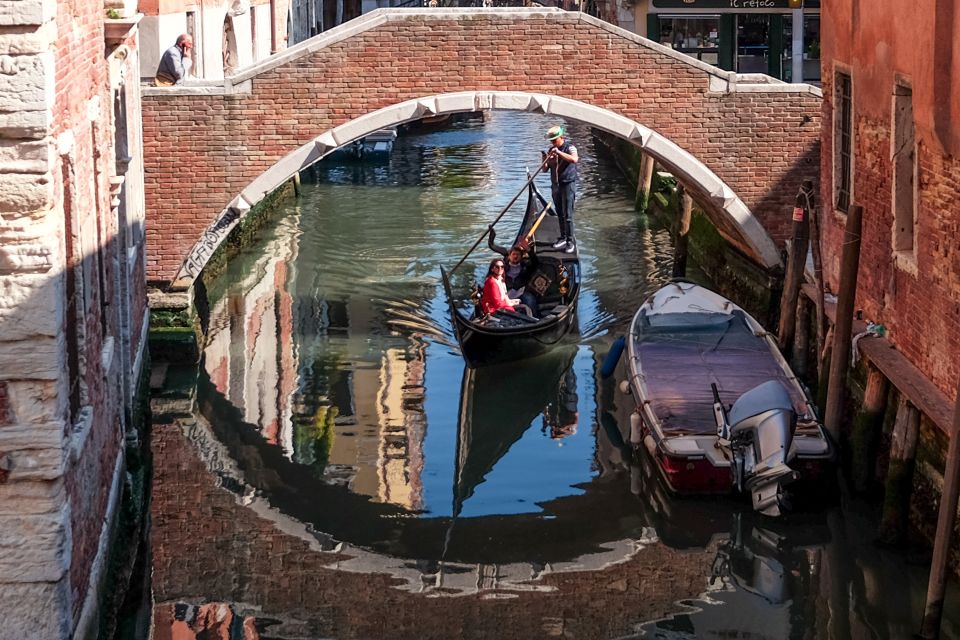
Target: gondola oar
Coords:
[[525, 241], [505, 209]]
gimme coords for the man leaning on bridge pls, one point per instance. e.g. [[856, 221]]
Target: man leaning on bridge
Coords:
[[176, 62]]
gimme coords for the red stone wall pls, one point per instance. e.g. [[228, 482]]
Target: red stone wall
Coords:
[[201, 151], [920, 307], [84, 106]]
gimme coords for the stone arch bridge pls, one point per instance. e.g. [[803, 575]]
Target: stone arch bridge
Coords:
[[741, 144]]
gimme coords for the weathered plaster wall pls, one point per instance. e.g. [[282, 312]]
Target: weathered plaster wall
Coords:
[[917, 297]]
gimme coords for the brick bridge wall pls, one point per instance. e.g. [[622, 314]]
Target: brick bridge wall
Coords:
[[204, 144]]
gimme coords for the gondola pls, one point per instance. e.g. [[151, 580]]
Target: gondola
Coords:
[[506, 336]]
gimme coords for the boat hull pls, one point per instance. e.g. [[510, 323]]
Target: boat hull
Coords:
[[682, 339], [482, 348]]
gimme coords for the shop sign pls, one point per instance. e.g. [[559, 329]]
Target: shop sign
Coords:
[[743, 5]]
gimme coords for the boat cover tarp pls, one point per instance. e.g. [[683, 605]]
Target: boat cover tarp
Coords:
[[680, 354]]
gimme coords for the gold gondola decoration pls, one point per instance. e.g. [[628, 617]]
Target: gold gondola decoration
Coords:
[[564, 280], [476, 294]]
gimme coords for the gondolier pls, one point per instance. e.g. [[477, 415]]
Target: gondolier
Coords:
[[562, 161]]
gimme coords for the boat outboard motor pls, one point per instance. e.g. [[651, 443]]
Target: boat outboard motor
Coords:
[[759, 429]]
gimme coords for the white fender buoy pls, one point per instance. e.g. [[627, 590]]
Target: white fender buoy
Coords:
[[625, 387], [636, 429]]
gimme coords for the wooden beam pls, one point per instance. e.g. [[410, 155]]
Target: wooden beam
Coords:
[[796, 263], [846, 299], [681, 242], [867, 426], [903, 452], [945, 522], [644, 181], [901, 373]]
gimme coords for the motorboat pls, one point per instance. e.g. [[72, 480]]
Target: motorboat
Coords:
[[716, 404]]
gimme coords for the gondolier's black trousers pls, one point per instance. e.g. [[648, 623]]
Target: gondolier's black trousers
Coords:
[[564, 197]]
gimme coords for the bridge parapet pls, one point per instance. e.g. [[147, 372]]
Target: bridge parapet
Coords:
[[742, 143]]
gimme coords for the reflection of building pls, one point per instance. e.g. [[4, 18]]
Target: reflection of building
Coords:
[[249, 352], [281, 359], [403, 427], [781, 40]]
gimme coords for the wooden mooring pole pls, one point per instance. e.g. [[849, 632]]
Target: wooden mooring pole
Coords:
[[644, 181], [801, 350], [683, 233], [903, 452], [867, 426], [820, 333], [945, 522], [796, 263], [842, 335]]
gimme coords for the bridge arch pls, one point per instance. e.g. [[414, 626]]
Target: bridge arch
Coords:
[[710, 191], [753, 140]]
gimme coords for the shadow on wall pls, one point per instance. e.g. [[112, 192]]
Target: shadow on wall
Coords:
[[71, 403]]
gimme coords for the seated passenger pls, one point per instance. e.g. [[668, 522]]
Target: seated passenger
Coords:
[[520, 265], [495, 295]]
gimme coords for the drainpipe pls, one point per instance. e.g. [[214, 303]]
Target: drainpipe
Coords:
[[273, 26], [796, 52]]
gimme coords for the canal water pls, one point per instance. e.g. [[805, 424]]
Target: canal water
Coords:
[[341, 474]]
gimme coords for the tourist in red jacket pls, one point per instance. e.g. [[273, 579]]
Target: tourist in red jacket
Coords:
[[495, 295]]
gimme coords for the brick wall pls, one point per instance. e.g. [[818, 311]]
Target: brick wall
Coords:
[[918, 300], [202, 150], [57, 173]]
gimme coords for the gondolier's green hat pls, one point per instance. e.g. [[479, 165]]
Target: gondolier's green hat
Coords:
[[555, 132]]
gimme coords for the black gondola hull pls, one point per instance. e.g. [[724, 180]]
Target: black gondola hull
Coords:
[[484, 343], [482, 348]]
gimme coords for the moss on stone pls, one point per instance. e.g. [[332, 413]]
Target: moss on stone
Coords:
[[175, 344], [248, 229], [167, 319]]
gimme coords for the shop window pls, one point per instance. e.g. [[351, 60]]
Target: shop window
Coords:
[[904, 169], [753, 43], [697, 36], [843, 140], [811, 48]]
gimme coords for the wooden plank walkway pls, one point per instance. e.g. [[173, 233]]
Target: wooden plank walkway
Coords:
[[901, 373]]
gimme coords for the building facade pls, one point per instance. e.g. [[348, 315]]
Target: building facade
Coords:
[[780, 38], [229, 35], [72, 303], [891, 143]]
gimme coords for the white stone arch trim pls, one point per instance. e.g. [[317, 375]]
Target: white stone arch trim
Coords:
[[684, 165]]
